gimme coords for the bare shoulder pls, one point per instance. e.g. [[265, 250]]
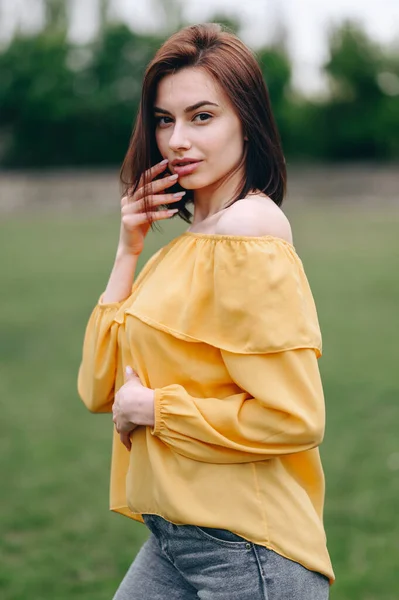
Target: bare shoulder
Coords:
[[255, 216]]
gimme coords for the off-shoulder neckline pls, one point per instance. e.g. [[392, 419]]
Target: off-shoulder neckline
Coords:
[[236, 238]]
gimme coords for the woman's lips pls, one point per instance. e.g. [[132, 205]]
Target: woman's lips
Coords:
[[186, 169]]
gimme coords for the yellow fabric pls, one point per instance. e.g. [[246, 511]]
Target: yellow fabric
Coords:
[[225, 330]]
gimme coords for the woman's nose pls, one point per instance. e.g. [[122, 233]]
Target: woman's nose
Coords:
[[178, 140]]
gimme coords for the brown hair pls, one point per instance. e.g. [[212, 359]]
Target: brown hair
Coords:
[[230, 62]]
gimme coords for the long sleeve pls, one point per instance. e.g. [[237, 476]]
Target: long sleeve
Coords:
[[96, 378], [280, 410], [97, 372]]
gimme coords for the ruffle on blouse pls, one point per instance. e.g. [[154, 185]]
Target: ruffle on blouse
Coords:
[[245, 295]]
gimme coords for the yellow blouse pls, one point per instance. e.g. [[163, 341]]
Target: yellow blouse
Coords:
[[225, 330]]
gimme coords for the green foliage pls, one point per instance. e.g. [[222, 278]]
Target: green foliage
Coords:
[[360, 118], [276, 69], [354, 63], [36, 97], [359, 107], [71, 105], [56, 14], [62, 104]]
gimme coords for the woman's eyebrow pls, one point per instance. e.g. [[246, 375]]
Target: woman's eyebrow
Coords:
[[188, 109]]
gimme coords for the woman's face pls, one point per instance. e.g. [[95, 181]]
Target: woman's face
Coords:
[[195, 120]]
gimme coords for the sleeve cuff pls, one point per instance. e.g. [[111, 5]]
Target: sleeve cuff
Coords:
[[156, 430]]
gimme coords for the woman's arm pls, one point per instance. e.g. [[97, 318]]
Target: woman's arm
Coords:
[[279, 411], [120, 282], [96, 379], [97, 372]]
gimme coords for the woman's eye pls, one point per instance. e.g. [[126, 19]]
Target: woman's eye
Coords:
[[163, 120], [202, 117]]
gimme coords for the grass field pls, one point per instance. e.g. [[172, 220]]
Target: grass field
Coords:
[[58, 540]]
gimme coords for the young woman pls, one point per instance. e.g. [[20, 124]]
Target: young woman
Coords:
[[208, 359]]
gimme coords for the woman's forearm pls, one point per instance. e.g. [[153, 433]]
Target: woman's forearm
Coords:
[[120, 282]]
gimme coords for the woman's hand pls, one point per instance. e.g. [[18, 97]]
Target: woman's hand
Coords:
[[133, 405], [135, 222]]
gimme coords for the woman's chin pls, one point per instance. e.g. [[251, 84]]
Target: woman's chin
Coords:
[[185, 183], [190, 182]]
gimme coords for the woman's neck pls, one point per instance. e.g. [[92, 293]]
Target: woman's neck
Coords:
[[210, 201]]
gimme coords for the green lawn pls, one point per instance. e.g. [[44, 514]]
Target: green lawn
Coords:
[[57, 539]]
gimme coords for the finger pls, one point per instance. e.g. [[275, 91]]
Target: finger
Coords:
[[125, 439], [157, 169], [141, 218], [130, 374], [154, 171], [154, 187], [153, 200], [150, 174]]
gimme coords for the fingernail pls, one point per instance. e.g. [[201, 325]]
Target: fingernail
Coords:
[[173, 177], [178, 194], [129, 370], [173, 210], [164, 162]]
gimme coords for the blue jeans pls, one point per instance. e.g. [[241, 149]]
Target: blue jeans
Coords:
[[186, 562]]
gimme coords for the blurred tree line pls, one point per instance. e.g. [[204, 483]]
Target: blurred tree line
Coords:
[[68, 104]]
